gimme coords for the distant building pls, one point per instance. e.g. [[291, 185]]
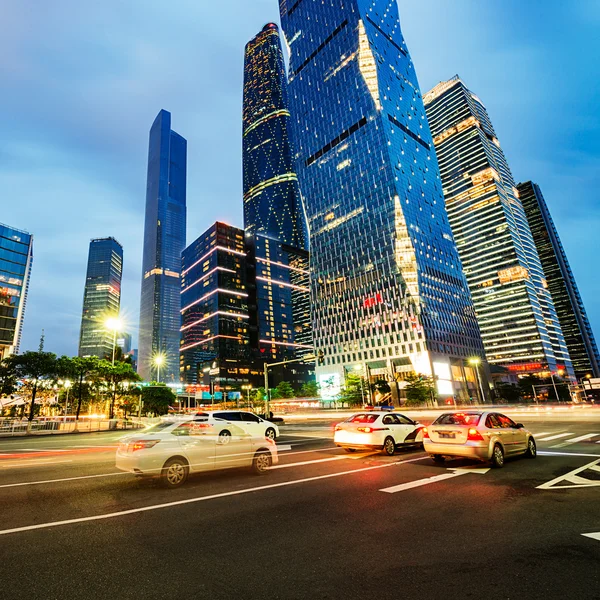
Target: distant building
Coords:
[[164, 241], [572, 316], [102, 297], [214, 309], [16, 257], [516, 315], [124, 342]]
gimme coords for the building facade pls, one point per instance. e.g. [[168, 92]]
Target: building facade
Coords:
[[214, 309], [570, 310], [164, 241], [388, 293], [101, 297], [272, 201], [16, 257], [516, 315]]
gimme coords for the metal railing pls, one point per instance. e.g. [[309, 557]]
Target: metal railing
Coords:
[[10, 427]]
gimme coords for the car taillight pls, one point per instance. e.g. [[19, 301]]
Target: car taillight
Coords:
[[474, 435], [371, 429], [338, 428], [425, 433], [143, 444]]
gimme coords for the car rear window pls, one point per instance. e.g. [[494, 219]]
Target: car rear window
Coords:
[[458, 419], [159, 426], [363, 418]]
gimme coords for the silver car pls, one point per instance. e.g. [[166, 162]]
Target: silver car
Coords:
[[485, 436]]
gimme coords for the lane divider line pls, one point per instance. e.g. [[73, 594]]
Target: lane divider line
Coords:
[[548, 453], [153, 507], [554, 437], [581, 438]]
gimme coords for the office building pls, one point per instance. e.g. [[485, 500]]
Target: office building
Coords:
[[272, 202], [571, 313], [388, 294], [16, 257], [124, 342], [214, 309], [101, 298], [516, 315], [164, 241]]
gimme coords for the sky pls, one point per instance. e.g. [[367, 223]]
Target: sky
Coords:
[[82, 83]]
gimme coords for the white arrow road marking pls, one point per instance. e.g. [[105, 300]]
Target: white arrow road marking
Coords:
[[574, 479], [435, 479], [594, 536], [554, 437], [581, 438]]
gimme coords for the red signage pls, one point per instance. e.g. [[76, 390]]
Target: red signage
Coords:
[[525, 367], [372, 301]]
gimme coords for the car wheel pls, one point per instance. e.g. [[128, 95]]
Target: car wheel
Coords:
[[261, 463], [497, 457], [270, 433], [350, 449], [531, 449], [174, 472], [224, 437], [389, 446], [438, 459]]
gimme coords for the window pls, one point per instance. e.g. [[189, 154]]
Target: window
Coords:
[[249, 417], [391, 420], [458, 419], [492, 422], [362, 418], [506, 423], [227, 416], [404, 420]]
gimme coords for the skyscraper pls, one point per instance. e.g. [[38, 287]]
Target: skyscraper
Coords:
[[16, 257], [272, 202], [518, 322], [389, 296], [102, 297], [573, 319], [164, 241]]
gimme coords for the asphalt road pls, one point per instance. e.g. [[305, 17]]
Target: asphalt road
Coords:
[[319, 526]]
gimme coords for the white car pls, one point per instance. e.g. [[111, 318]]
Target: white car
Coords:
[[172, 449], [381, 430], [249, 421], [484, 436]]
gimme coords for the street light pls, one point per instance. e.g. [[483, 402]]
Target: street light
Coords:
[[114, 324], [476, 362], [159, 360]]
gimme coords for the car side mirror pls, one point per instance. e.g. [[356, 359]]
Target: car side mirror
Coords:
[[520, 426]]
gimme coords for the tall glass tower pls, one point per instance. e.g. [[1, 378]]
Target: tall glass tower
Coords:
[[389, 296], [102, 297], [574, 322], [16, 257], [518, 321], [164, 241], [272, 202]]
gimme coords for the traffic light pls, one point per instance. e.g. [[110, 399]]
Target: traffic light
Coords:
[[321, 358]]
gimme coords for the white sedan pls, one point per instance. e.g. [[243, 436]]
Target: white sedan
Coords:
[[249, 421], [172, 449], [381, 430]]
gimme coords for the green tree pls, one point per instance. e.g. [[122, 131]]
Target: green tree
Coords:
[[259, 394], [355, 390], [8, 377], [157, 398], [509, 392], [309, 389], [83, 371], [285, 390], [420, 389]]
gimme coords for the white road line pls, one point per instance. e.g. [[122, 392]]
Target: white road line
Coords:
[[594, 536], [9, 485], [539, 435], [34, 463], [199, 499], [554, 437], [283, 447], [573, 478], [309, 462], [581, 438], [548, 453], [413, 484]]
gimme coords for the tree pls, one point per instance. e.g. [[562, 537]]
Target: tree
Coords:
[[285, 390], [420, 389], [259, 394], [8, 377], [116, 376], [83, 371], [157, 398], [354, 391], [309, 389], [509, 392]]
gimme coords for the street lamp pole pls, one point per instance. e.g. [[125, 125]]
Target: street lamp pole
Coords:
[[476, 362]]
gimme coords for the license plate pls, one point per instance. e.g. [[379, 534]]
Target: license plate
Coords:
[[447, 435]]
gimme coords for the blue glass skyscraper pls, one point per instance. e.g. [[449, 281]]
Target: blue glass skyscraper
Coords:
[[164, 241], [272, 202], [389, 296]]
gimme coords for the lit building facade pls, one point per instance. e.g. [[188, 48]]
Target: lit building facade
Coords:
[[516, 315], [101, 297], [272, 202], [214, 309], [388, 293], [572, 316], [16, 257], [164, 241]]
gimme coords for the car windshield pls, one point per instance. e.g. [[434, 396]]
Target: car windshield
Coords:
[[363, 418], [458, 419], [159, 426]]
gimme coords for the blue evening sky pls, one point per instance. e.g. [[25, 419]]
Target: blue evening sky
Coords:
[[83, 81]]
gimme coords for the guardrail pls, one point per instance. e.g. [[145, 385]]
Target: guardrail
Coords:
[[10, 427]]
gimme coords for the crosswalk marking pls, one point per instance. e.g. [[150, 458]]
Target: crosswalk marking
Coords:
[[554, 437], [581, 438], [539, 435]]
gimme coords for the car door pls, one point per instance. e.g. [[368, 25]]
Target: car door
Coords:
[[412, 431], [518, 436], [393, 424], [501, 431], [197, 443], [252, 424], [233, 447]]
